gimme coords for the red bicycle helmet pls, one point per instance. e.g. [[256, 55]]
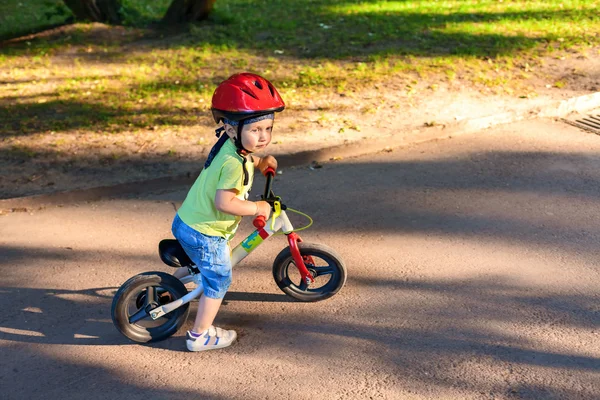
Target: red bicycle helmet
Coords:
[[243, 96]]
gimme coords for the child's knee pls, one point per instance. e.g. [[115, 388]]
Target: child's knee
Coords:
[[216, 285]]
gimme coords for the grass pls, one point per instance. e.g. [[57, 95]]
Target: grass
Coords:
[[22, 17], [123, 79]]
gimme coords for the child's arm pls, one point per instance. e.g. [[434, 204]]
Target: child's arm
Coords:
[[227, 202], [263, 163]]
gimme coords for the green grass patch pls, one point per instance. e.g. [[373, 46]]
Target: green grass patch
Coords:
[[142, 12], [22, 17]]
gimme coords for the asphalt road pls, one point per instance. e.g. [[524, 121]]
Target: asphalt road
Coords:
[[473, 274]]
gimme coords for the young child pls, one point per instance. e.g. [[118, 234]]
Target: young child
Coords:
[[212, 210]]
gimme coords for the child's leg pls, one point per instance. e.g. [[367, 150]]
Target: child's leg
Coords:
[[212, 257], [215, 269], [207, 311], [204, 335]]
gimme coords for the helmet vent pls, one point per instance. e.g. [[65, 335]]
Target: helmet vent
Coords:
[[249, 93], [258, 85], [271, 90]]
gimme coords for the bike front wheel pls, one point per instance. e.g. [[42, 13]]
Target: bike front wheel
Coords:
[[140, 294], [325, 266]]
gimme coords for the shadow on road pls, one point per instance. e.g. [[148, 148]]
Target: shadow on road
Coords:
[[78, 378], [82, 317], [79, 317], [425, 342], [424, 329]]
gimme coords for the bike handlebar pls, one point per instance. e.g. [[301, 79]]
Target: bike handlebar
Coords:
[[260, 221], [269, 173]]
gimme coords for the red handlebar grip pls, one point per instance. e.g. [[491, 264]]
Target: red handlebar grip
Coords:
[[259, 222], [270, 171]]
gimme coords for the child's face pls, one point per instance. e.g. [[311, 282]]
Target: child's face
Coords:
[[256, 136]]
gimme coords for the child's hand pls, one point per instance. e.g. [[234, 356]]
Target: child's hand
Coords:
[[267, 162], [263, 208]]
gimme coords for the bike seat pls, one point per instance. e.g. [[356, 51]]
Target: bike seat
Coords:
[[172, 254]]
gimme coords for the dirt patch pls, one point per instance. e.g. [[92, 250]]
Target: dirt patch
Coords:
[[94, 33]]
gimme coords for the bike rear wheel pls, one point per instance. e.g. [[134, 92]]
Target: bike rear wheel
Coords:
[[143, 292], [324, 264]]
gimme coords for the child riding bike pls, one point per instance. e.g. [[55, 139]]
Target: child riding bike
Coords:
[[210, 214]]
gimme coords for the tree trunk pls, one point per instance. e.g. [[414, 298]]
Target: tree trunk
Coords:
[[96, 10], [188, 11]]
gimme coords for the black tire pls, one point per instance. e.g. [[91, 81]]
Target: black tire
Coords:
[[289, 281], [127, 302]]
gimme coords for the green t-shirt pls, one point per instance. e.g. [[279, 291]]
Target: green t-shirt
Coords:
[[225, 172]]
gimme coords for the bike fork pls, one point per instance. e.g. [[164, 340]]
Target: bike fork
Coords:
[[293, 240]]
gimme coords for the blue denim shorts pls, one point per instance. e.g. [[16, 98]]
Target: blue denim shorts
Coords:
[[210, 254]]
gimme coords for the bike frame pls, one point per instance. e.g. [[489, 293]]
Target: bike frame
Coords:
[[240, 252]]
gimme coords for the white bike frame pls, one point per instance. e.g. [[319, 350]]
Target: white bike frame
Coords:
[[240, 252]]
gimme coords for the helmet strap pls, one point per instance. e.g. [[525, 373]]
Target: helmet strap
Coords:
[[219, 131], [238, 138], [242, 151], [215, 150]]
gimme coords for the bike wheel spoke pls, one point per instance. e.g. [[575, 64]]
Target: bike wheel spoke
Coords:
[[328, 270], [303, 285], [150, 296], [138, 316]]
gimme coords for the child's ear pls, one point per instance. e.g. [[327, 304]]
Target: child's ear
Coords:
[[231, 131]]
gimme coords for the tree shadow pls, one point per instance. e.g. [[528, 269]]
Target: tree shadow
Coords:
[[67, 115], [312, 32], [427, 342], [556, 178], [496, 297], [58, 316], [456, 196], [110, 111], [52, 377], [75, 317], [72, 34], [82, 317]]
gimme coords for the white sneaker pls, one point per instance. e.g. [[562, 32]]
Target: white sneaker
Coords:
[[211, 339]]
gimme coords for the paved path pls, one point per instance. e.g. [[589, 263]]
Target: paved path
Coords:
[[473, 273]]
